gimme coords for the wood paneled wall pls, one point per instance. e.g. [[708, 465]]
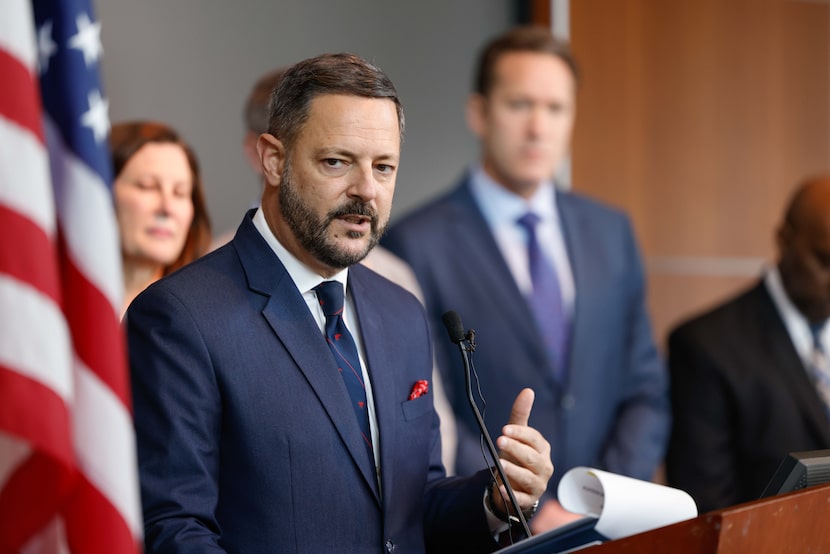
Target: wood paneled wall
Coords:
[[698, 117]]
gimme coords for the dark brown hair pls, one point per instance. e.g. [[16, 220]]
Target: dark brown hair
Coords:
[[346, 74], [128, 138], [528, 38]]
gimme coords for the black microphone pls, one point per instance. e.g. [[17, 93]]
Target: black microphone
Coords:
[[452, 321], [466, 344]]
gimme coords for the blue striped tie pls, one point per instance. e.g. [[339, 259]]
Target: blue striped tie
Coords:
[[820, 365], [546, 298], [342, 345]]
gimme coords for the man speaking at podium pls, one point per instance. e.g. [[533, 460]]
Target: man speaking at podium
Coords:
[[281, 390]]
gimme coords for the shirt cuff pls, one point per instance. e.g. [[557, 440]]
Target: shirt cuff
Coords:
[[496, 526]]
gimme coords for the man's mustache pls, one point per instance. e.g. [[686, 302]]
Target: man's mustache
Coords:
[[354, 208]]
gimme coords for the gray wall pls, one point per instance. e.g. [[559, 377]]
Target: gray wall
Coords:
[[191, 63]]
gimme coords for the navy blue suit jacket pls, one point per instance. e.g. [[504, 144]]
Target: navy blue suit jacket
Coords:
[[246, 438], [612, 412], [742, 401]]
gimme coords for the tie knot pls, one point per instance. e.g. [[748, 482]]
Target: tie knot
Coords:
[[529, 221], [815, 330], [330, 296]]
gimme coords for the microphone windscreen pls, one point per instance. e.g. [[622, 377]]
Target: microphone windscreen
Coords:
[[452, 321]]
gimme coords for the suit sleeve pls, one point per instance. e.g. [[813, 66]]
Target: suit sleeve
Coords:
[[638, 440], [177, 419], [700, 459]]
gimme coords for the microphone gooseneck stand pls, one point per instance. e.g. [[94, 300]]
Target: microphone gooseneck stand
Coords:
[[466, 345]]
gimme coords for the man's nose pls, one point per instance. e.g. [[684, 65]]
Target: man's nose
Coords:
[[363, 184]]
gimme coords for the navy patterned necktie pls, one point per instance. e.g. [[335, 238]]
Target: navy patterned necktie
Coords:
[[546, 298], [344, 349], [820, 365]]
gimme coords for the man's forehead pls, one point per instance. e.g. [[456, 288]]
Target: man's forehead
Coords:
[[347, 116], [522, 68]]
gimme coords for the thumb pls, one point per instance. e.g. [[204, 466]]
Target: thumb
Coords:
[[520, 413]]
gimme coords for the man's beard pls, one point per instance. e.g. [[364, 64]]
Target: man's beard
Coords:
[[311, 230]]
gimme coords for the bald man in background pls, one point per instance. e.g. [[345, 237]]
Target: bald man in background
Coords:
[[749, 379]]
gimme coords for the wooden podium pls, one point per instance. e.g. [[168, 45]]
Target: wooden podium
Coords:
[[790, 523]]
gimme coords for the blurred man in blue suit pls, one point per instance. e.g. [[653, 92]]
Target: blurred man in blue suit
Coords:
[[551, 281], [281, 389]]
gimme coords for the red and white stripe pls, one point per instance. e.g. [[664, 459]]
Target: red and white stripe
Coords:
[[67, 452]]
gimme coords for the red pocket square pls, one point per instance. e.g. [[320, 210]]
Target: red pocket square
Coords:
[[419, 388]]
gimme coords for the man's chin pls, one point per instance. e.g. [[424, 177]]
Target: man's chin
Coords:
[[818, 316], [352, 251], [524, 184], [813, 311], [360, 253]]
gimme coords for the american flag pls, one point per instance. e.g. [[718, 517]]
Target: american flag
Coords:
[[68, 479]]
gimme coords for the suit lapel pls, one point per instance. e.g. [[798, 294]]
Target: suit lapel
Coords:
[[289, 318], [788, 364], [381, 368], [580, 247], [481, 262]]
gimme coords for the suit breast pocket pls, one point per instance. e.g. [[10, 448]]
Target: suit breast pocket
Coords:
[[413, 409]]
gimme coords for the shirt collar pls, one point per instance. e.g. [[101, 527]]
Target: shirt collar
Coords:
[[503, 207], [304, 277], [797, 325]]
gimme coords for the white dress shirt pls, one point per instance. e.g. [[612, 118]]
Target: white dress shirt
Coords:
[[501, 208], [797, 325], [305, 280]]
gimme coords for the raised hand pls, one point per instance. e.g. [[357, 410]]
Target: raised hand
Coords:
[[525, 456]]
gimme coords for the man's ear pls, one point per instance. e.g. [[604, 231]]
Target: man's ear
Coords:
[[476, 116], [272, 156]]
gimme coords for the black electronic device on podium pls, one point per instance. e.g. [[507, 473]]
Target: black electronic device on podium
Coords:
[[799, 470]]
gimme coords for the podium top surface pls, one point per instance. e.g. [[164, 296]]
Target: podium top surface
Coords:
[[793, 522]]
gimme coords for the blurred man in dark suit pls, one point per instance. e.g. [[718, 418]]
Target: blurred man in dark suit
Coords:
[[750, 379]]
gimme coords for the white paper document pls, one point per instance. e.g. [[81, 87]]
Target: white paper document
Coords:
[[623, 506]]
